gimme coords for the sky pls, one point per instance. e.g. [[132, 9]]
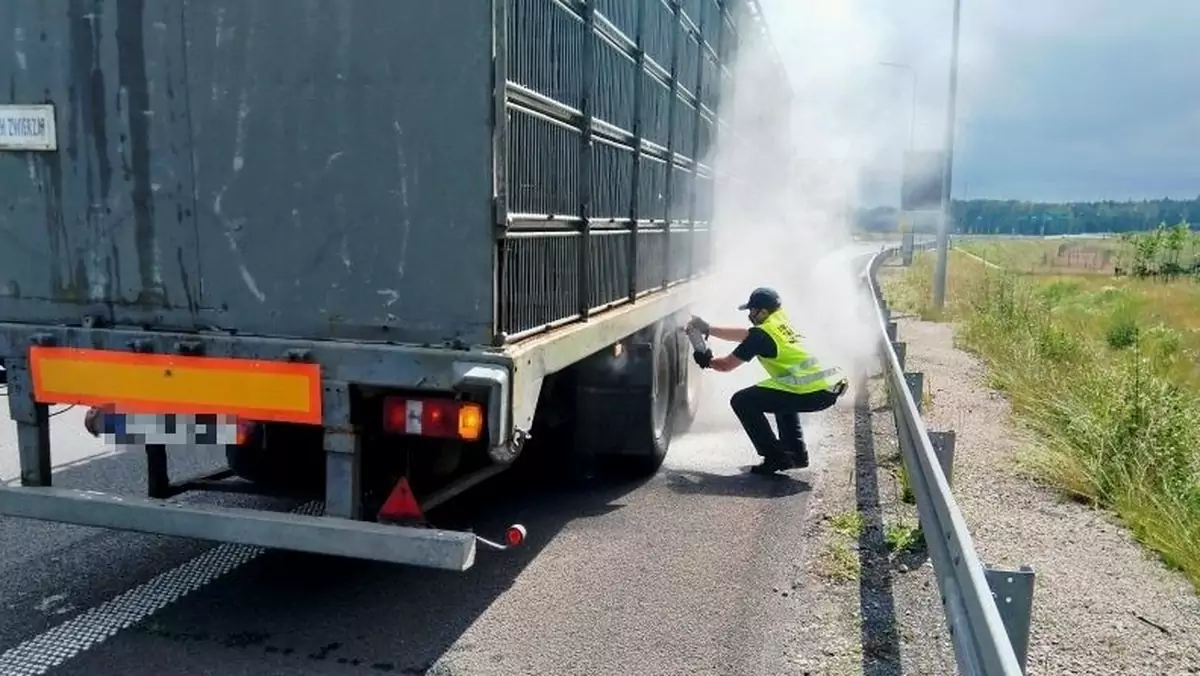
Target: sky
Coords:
[[1058, 100]]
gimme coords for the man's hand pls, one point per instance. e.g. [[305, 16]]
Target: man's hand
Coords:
[[698, 324], [703, 359]]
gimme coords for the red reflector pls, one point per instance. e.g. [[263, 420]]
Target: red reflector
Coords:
[[401, 505], [515, 535], [446, 418]]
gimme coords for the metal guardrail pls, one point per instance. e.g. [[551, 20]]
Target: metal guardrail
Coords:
[[988, 611]]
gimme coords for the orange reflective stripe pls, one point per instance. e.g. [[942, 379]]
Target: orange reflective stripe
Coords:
[[133, 382]]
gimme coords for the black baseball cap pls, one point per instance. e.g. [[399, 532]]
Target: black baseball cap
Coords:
[[762, 298]]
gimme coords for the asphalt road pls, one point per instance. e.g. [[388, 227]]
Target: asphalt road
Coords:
[[672, 575]]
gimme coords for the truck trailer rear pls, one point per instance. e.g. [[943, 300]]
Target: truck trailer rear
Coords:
[[372, 247]]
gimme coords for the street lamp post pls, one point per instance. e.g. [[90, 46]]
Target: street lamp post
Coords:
[[943, 238]]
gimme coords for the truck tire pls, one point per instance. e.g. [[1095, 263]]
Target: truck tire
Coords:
[[690, 388], [652, 437], [625, 402]]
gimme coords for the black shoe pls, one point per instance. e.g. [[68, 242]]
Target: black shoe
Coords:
[[800, 458], [770, 465], [796, 459]]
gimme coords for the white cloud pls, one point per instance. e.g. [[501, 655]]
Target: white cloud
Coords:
[[1045, 86]]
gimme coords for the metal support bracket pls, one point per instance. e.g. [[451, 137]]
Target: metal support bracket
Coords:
[[158, 478], [33, 425], [343, 456], [901, 351], [891, 331], [943, 446], [1013, 592], [916, 385]]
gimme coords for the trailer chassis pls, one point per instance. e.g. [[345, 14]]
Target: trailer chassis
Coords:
[[511, 375]]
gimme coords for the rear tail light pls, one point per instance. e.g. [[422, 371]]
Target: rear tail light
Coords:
[[445, 418]]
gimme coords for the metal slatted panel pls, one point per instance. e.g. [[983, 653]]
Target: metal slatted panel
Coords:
[[579, 101]]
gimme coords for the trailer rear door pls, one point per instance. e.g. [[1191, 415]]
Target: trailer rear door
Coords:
[[302, 168]]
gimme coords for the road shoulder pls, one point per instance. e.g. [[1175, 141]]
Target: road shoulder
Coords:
[[864, 606], [1102, 604]]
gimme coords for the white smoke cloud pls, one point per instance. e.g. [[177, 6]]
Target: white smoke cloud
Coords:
[[799, 174]]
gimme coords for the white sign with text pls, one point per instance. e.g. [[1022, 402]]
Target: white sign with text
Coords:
[[28, 128]]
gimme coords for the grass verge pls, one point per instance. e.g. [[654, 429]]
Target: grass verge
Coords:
[[1103, 369], [840, 561]]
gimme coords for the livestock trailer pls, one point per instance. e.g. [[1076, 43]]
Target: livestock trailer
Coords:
[[372, 247]]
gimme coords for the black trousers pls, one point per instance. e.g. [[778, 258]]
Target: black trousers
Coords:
[[752, 405]]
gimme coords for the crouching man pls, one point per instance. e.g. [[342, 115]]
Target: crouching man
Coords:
[[796, 382]]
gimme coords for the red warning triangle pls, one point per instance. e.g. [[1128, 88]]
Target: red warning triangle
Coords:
[[401, 505]]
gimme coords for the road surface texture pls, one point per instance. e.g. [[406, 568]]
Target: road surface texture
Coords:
[[702, 569], [1102, 605]]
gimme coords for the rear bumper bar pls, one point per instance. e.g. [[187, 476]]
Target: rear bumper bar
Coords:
[[424, 547]]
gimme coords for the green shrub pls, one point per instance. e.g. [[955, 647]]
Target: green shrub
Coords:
[[1122, 330], [1118, 427]]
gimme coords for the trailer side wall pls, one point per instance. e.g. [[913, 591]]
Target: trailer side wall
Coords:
[[611, 119]]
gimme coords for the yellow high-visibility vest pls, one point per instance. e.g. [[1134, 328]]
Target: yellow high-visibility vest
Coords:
[[793, 369]]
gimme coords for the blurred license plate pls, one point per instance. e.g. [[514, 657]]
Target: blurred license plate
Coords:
[[142, 429]]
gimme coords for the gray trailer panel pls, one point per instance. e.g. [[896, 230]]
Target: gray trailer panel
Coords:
[[302, 168], [79, 235], [343, 166]]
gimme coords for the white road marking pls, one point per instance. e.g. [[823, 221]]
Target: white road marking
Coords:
[[67, 640], [100, 623]]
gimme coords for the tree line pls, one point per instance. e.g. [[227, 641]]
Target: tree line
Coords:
[[1013, 217]]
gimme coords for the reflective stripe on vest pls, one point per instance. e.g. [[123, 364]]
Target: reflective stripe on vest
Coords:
[[797, 376], [792, 369]]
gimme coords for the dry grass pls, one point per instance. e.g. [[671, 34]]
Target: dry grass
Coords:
[[1091, 256], [1104, 369]]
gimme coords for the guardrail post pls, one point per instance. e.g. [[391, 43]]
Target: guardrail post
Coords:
[[916, 385], [901, 351], [943, 446], [1013, 591], [891, 331]]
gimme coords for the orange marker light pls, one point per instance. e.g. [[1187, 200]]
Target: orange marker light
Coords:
[[470, 421]]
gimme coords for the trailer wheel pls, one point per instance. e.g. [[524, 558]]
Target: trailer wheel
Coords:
[[689, 389], [623, 405], [652, 407]]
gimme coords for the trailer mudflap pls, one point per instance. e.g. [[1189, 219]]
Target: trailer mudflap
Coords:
[[423, 547]]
